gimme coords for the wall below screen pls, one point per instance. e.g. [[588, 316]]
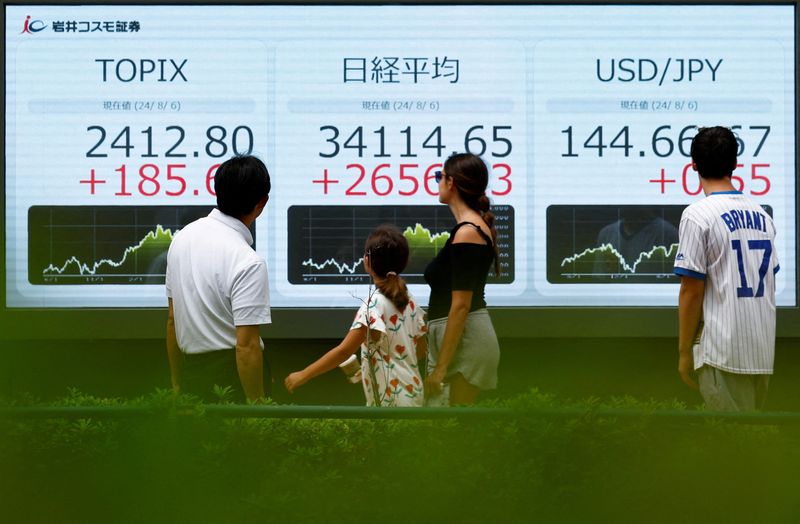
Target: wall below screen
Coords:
[[76, 324], [569, 368]]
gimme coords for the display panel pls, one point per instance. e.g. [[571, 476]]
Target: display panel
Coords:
[[117, 117], [103, 245]]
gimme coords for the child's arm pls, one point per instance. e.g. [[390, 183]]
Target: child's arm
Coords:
[[328, 361]]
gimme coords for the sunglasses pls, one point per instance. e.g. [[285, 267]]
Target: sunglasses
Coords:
[[437, 175]]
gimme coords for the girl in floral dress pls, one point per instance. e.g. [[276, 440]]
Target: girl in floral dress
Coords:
[[389, 327]]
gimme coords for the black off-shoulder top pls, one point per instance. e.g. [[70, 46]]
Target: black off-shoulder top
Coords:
[[459, 267]]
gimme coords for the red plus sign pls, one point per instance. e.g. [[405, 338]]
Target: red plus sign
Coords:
[[325, 181], [663, 180], [92, 181]]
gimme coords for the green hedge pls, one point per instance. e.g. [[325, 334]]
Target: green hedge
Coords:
[[200, 468]]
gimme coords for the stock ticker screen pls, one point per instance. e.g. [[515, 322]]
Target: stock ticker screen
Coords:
[[117, 117]]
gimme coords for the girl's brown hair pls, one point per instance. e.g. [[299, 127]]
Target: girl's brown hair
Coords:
[[387, 250]]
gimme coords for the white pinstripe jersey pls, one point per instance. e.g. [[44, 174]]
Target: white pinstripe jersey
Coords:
[[729, 241]]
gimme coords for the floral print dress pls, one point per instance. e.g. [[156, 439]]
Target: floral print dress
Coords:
[[390, 374]]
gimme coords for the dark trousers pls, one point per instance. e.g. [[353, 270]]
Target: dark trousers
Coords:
[[201, 372]]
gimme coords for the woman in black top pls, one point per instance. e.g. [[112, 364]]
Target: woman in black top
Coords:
[[463, 348]]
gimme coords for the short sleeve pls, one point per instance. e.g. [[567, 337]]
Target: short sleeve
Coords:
[[416, 316], [690, 260], [167, 285], [469, 266], [370, 314], [250, 295], [776, 266], [168, 277]]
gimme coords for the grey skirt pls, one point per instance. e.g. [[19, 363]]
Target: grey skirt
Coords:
[[478, 353]]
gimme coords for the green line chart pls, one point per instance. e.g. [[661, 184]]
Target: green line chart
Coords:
[[326, 243], [71, 245], [607, 254], [604, 244]]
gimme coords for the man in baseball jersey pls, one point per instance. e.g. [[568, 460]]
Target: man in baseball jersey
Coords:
[[727, 263]]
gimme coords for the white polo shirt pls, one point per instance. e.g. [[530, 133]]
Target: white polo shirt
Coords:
[[217, 282]]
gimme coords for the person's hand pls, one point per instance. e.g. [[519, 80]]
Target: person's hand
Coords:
[[686, 369], [433, 382], [294, 381]]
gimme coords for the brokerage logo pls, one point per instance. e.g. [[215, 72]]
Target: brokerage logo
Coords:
[[32, 26]]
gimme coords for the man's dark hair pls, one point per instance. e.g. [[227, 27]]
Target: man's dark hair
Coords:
[[714, 152], [240, 183]]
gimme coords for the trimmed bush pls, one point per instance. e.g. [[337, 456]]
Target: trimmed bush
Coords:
[[182, 465]]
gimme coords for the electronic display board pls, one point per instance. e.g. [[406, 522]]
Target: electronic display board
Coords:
[[117, 116]]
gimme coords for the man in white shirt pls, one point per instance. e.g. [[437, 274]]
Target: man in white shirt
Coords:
[[218, 291], [727, 263]]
